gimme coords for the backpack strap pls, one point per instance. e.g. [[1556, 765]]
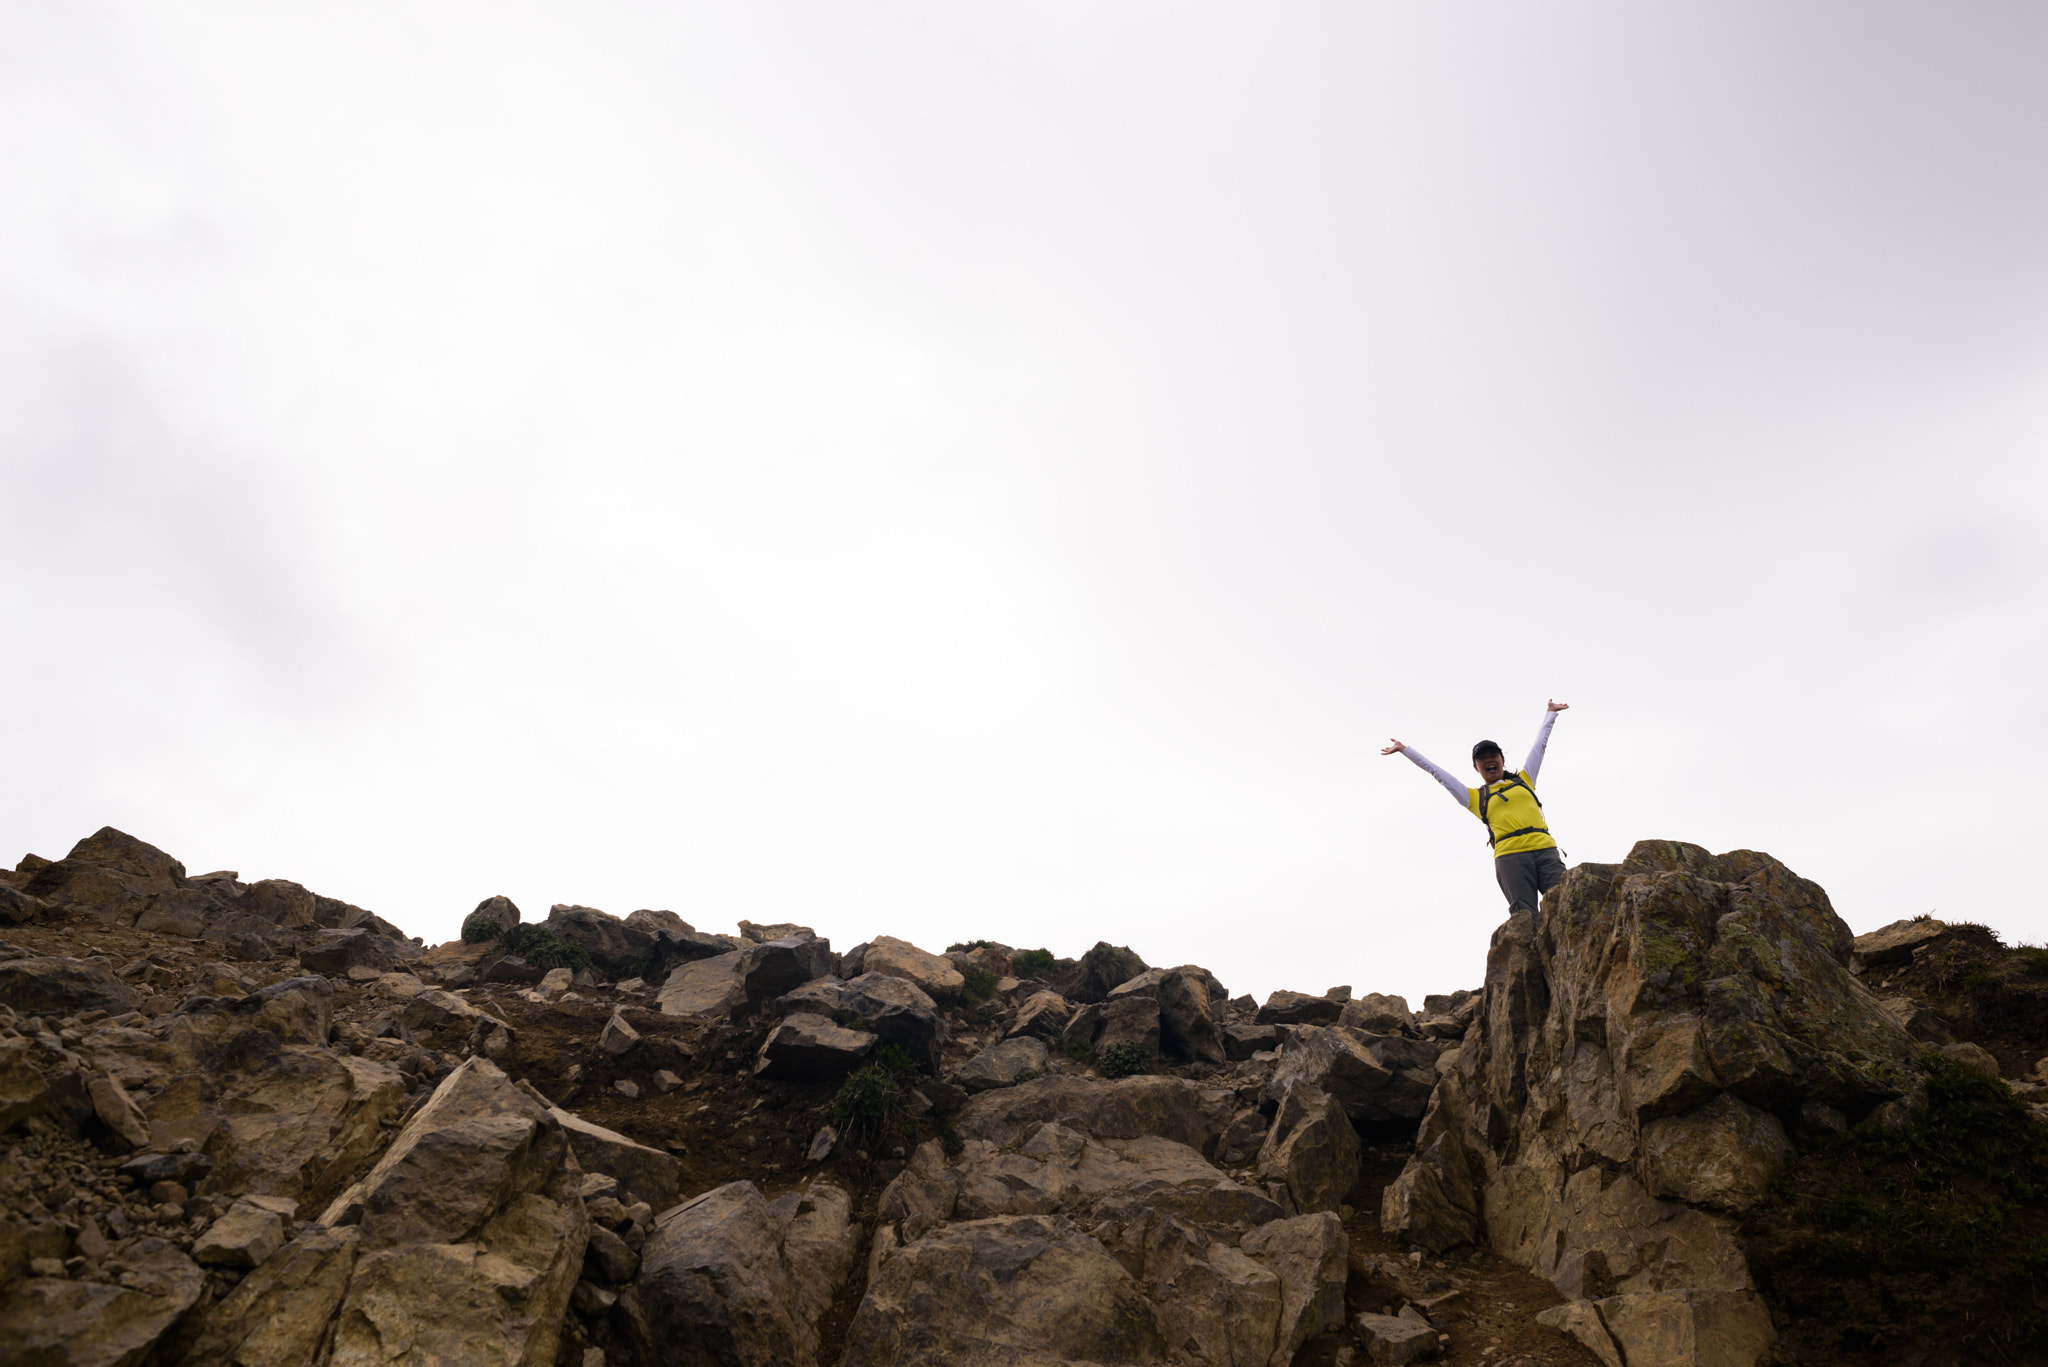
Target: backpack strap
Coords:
[[1486, 795]]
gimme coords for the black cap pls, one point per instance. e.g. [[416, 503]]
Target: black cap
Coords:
[[1485, 747]]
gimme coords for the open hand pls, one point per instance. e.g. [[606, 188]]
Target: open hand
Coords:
[[1556, 706], [1394, 749]]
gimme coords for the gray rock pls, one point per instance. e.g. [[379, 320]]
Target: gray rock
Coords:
[[1128, 1108], [1191, 1003], [280, 902], [1392, 1339], [494, 918], [1042, 1015], [618, 1036], [805, 1047], [1374, 1077], [1003, 1064], [656, 922], [244, 1237], [62, 987], [1311, 1149], [1130, 1020], [66, 1323], [711, 988], [781, 930], [279, 1312], [1377, 1014], [643, 1173], [718, 1287], [335, 952], [18, 908], [616, 949], [1240, 1042], [1299, 1008], [894, 1010]]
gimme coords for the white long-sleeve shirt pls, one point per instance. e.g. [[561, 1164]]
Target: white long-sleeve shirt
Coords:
[[1456, 786]]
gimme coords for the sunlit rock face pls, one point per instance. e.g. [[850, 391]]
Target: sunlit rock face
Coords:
[[1634, 1076]]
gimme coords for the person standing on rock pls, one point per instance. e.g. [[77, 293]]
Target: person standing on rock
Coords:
[[1526, 863]]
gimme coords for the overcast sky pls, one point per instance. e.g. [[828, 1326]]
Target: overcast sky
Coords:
[[1003, 470]]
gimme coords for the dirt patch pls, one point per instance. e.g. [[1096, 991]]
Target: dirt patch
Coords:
[[1987, 993]]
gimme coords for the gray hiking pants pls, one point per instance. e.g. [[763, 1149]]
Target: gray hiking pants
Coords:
[[1527, 875]]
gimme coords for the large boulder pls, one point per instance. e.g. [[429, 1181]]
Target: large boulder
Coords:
[[335, 952], [109, 875], [1377, 1013], [616, 949], [713, 988], [1173, 1108], [1674, 1010], [114, 1323], [279, 1312], [1299, 1008], [62, 987], [280, 902], [732, 1280], [1895, 943], [804, 1047], [894, 1010], [1043, 1015], [740, 982], [1003, 1064], [494, 918], [1374, 1077], [933, 975], [643, 1173], [1310, 1149], [472, 1232], [1101, 971]]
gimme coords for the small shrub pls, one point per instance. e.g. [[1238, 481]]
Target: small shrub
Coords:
[[971, 946], [1124, 1059], [1032, 963], [1029, 1075], [478, 932], [980, 985], [539, 945], [1073, 1047], [869, 1102], [950, 1140], [895, 1059]]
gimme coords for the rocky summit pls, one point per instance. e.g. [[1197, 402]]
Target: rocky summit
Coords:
[[1685, 1119]]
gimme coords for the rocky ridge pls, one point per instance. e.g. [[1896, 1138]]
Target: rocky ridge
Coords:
[[241, 1122]]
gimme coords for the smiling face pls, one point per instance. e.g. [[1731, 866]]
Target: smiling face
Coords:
[[1492, 767]]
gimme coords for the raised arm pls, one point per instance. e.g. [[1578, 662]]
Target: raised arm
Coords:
[[1532, 765], [1420, 761]]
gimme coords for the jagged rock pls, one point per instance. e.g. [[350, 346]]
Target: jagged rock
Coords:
[[781, 930], [280, 902], [1310, 1255], [335, 952], [109, 875], [1392, 1339], [1377, 1014], [618, 1036], [727, 1278], [642, 1173], [673, 947], [1722, 1155], [1311, 1148], [118, 1112], [1240, 1042], [1170, 1107], [1190, 1002], [1003, 1064], [892, 1009], [18, 908], [279, 1312], [609, 1256], [987, 958], [616, 949], [1299, 1008], [37, 1080], [244, 1237], [182, 911], [1657, 986], [655, 922], [1679, 1328], [1242, 1139], [1042, 1015], [447, 1021], [709, 987], [62, 987], [472, 1231], [1895, 943], [936, 977], [1374, 1077], [1085, 1025], [1100, 971], [1130, 1020], [1015, 1290], [805, 1047], [494, 918], [57, 1322], [1919, 1021]]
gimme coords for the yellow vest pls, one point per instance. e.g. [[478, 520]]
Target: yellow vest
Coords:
[[1511, 806]]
